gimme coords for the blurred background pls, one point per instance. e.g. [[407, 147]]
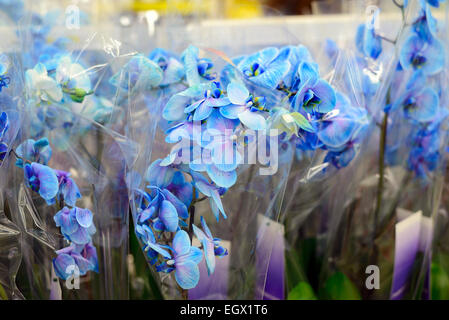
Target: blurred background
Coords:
[[228, 9]]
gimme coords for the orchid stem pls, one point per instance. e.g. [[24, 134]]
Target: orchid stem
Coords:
[[400, 6], [192, 214], [184, 294], [388, 39], [19, 157], [201, 199], [191, 221], [380, 184]]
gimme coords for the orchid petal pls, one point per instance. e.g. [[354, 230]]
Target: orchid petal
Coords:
[[62, 264], [222, 178], [187, 275], [252, 120], [181, 243], [169, 216], [237, 93], [84, 217]]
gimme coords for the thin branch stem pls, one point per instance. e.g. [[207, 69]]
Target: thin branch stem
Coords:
[[192, 214], [400, 6], [387, 39], [19, 157], [380, 184], [201, 199]]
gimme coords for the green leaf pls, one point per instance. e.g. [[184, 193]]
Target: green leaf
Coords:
[[303, 291], [339, 287], [440, 283], [3, 295], [302, 122]]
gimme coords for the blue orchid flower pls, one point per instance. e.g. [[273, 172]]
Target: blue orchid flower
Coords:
[[266, 68], [185, 261], [223, 157], [433, 3], [159, 175], [425, 155], [342, 158], [4, 124], [419, 54], [306, 142], [51, 54], [297, 55], [425, 26], [213, 192], [42, 179], [68, 190], [170, 65], [183, 130], [73, 78], [367, 41], [174, 109], [34, 151], [3, 151], [211, 245], [196, 69], [213, 98], [314, 95], [164, 209], [76, 224], [244, 107], [152, 249], [418, 103], [181, 188], [219, 156], [140, 73], [4, 66], [422, 162], [339, 127], [84, 257]]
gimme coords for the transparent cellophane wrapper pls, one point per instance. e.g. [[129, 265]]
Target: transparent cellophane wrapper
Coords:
[[312, 180], [98, 161], [87, 141], [10, 233], [341, 231], [254, 232], [253, 201], [252, 204]]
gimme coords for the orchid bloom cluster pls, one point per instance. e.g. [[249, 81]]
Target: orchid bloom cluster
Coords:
[[209, 115], [56, 187], [421, 61]]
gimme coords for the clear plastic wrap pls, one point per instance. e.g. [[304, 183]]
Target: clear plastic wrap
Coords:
[[395, 185], [71, 128], [10, 233]]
